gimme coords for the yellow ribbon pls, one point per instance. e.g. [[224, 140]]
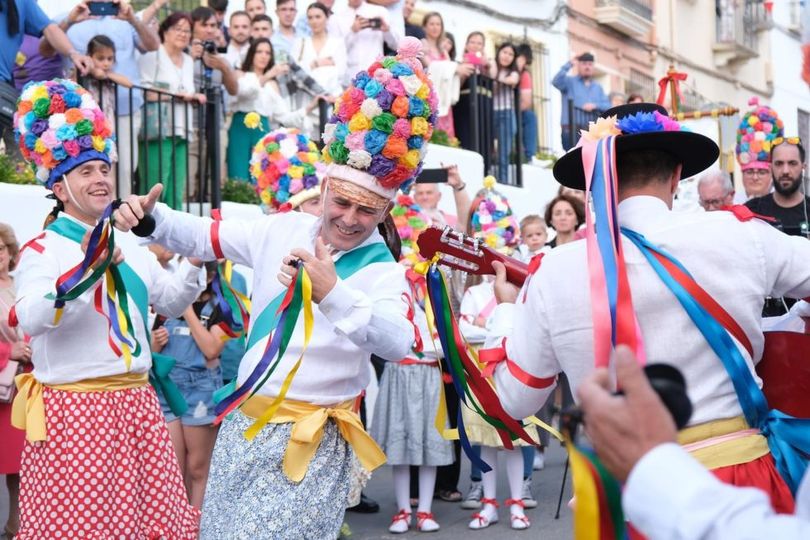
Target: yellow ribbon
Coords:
[[122, 320], [586, 513], [264, 418], [228, 271], [724, 453], [308, 422], [28, 409]]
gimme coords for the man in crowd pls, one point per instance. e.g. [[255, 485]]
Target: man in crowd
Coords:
[[364, 28], [396, 19], [715, 190], [667, 494], [787, 203], [261, 26], [427, 195], [220, 7], [738, 263], [585, 93], [239, 32], [212, 72], [130, 36], [284, 37], [411, 29], [255, 7]]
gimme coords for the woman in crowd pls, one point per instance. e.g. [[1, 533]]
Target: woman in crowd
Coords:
[[164, 135], [528, 118], [506, 80], [195, 341], [14, 352], [259, 92], [321, 54], [564, 214], [475, 54]]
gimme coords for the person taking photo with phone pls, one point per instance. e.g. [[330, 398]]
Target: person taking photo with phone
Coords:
[[364, 28]]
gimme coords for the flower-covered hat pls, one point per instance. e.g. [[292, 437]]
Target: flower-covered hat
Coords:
[[286, 168], [377, 138], [58, 126], [640, 126], [492, 220], [410, 222], [758, 128]]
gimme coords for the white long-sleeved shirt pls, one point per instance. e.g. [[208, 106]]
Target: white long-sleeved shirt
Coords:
[[670, 496], [265, 100], [363, 47], [476, 299], [76, 348], [737, 263], [329, 77], [362, 314]]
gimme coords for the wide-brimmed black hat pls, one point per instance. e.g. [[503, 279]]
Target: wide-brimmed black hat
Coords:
[[694, 151]]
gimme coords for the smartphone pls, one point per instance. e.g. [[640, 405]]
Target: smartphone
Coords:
[[375, 23], [432, 176], [103, 8]]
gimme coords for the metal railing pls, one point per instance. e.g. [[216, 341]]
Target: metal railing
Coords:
[[642, 8], [488, 121], [578, 119]]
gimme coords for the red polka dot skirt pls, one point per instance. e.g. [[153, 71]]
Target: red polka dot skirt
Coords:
[[106, 472]]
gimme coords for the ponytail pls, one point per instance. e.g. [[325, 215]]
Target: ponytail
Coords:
[[59, 207]]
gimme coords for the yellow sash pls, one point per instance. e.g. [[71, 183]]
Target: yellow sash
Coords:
[[308, 421], [28, 410], [728, 449]]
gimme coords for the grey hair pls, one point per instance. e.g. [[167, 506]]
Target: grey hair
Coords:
[[717, 176]]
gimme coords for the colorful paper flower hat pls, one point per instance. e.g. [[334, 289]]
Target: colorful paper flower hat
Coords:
[[639, 126], [758, 128], [378, 134], [492, 220], [286, 168], [410, 221], [58, 126]]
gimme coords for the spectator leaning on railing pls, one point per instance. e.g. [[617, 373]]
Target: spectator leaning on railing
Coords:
[[586, 93], [129, 35]]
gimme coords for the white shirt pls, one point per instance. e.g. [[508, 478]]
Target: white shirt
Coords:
[[476, 299], [737, 263], [265, 100], [363, 47], [158, 70], [362, 314], [77, 348], [670, 496], [329, 77], [236, 54]]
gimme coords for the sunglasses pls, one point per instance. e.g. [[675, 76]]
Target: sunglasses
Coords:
[[790, 140]]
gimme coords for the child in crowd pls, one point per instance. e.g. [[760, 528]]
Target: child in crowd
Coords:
[[102, 50], [534, 235], [492, 221], [409, 394]]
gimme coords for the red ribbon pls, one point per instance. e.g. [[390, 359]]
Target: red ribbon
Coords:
[[492, 357], [743, 213], [33, 244], [676, 77], [534, 266], [215, 239]]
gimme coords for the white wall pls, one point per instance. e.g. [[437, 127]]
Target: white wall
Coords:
[[790, 91]]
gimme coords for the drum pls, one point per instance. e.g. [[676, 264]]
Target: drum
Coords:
[[785, 372]]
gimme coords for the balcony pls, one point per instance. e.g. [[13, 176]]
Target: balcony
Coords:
[[631, 17], [737, 30]]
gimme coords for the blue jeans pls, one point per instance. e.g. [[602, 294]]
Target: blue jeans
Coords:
[[506, 129], [528, 462], [528, 120]]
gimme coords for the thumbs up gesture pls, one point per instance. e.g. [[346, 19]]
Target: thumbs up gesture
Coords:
[[320, 267], [134, 207]]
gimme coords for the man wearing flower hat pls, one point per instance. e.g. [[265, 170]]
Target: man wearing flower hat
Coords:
[[737, 261], [98, 459], [755, 135], [292, 479]]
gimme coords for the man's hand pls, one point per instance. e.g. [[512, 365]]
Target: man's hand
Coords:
[[82, 62], [21, 352], [215, 61], [359, 24], [117, 258], [453, 177], [79, 13], [134, 207], [623, 428], [320, 267], [125, 12], [160, 338], [505, 292], [196, 50]]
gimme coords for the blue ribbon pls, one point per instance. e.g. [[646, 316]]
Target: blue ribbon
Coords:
[[788, 437], [605, 236]]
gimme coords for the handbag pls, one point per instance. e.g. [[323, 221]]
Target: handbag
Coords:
[[155, 122], [7, 386]]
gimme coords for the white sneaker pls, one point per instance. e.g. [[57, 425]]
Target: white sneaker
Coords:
[[528, 499], [473, 499], [401, 523], [539, 461]]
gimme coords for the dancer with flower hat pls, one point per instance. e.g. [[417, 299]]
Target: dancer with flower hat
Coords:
[[758, 129], [674, 287], [296, 385], [287, 170], [410, 393], [98, 461]]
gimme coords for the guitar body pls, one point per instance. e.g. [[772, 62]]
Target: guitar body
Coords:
[[785, 372]]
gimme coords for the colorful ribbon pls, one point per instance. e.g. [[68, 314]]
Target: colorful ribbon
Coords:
[[232, 304], [672, 77], [297, 298]]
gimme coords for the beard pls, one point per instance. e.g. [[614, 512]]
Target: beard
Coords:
[[790, 189]]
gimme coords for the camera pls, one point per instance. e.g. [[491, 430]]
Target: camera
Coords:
[[209, 46], [375, 23]]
